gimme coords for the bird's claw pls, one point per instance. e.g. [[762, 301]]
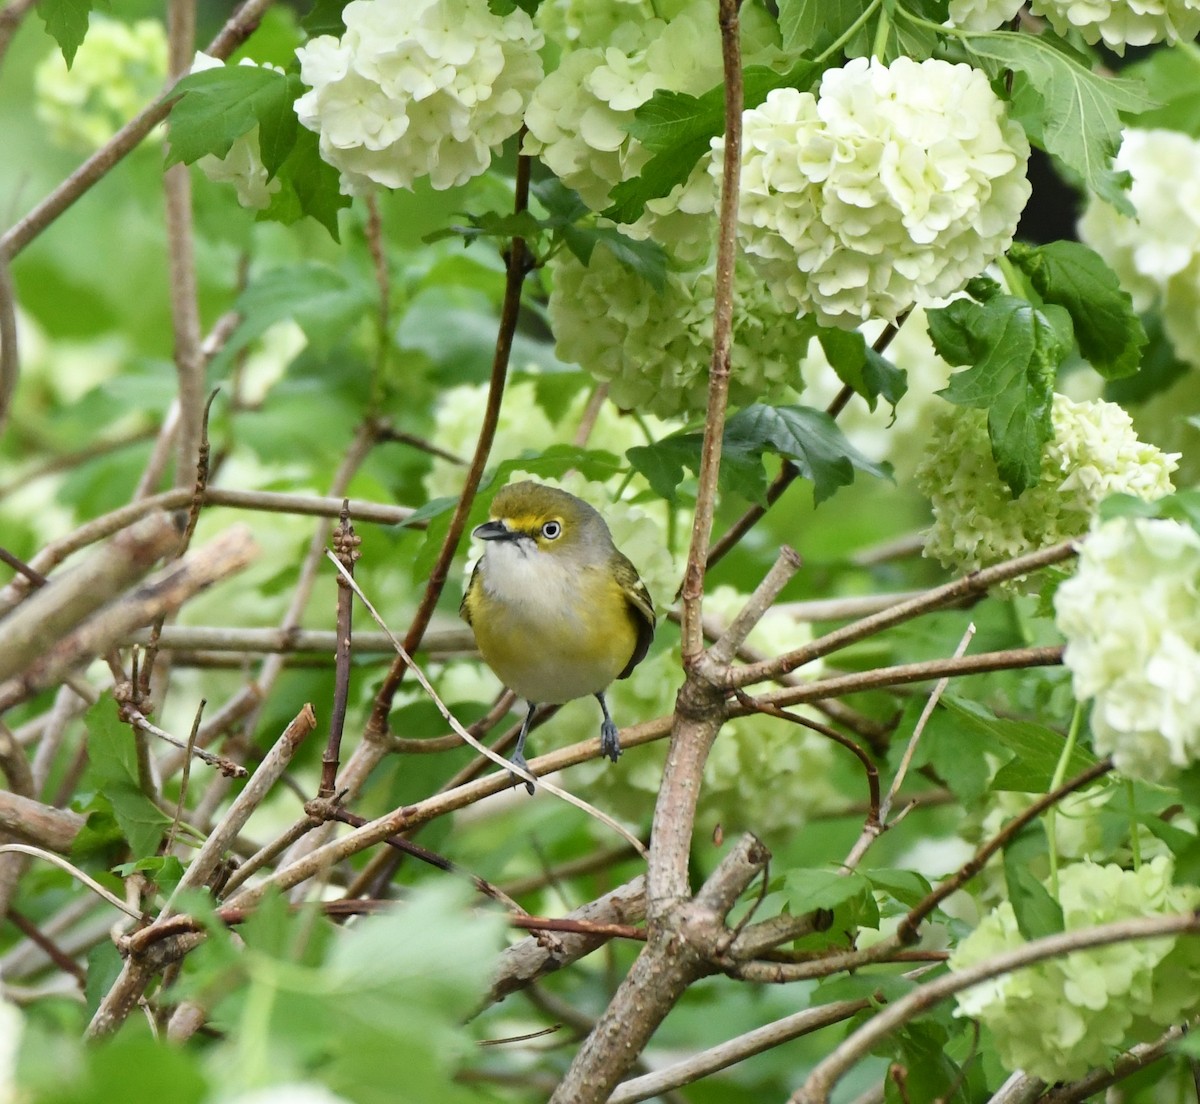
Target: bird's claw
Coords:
[[610, 742], [518, 760]]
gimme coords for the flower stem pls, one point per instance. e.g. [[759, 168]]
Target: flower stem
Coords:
[[1060, 772], [850, 31]]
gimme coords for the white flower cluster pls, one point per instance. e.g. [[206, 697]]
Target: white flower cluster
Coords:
[[242, 166], [579, 117], [1093, 453], [580, 24], [418, 88], [1131, 616], [1157, 254], [893, 185], [1062, 1017], [655, 348], [1121, 23], [118, 69], [982, 15]]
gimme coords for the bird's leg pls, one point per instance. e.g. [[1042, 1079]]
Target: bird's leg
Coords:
[[610, 742], [518, 756]]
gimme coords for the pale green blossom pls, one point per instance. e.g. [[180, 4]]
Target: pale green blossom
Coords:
[[117, 71], [1131, 616], [418, 88], [892, 185], [1092, 454], [1156, 255], [1121, 23], [1064, 1016], [12, 1024], [982, 15], [654, 349]]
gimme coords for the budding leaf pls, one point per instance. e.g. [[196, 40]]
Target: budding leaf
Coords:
[[1107, 329], [1077, 108], [1014, 350], [67, 23]]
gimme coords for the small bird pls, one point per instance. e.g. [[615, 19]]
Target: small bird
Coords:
[[557, 611]]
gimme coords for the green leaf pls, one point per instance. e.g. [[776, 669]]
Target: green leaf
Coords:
[[1172, 77], [1015, 350], [809, 890], [808, 25], [309, 186], [1078, 108], [325, 18], [112, 769], [319, 298], [809, 438], [906, 886], [67, 23], [1108, 331], [1160, 367], [646, 258], [859, 366], [1037, 913], [1036, 749], [104, 964], [164, 871], [218, 106]]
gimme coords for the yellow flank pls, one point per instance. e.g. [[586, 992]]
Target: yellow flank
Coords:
[[561, 636]]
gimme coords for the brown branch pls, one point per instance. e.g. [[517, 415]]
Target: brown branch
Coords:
[[166, 590], [271, 502], [10, 361], [11, 16], [346, 545], [45, 826], [692, 589], [976, 583], [47, 616], [56, 955]]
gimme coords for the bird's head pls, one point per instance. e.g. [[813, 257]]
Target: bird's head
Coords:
[[533, 517]]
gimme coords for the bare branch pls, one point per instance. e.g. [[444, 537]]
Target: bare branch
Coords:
[[42, 825]]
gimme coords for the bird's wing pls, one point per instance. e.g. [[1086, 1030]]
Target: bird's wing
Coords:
[[464, 607], [641, 608]]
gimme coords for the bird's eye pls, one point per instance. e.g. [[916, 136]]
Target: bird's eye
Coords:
[[552, 530]]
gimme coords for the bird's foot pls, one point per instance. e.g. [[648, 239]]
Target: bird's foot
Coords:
[[518, 760], [610, 742]]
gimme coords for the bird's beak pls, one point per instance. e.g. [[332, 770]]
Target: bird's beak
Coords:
[[493, 530]]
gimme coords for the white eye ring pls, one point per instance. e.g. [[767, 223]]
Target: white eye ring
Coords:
[[552, 530]]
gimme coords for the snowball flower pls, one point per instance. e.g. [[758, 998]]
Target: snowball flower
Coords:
[[1121, 23], [242, 166], [1156, 255], [1092, 454], [12, 1024], [982, 15], [893, 185], [418, 88], [118, 69], [1131, 616], [654, 348], [580, 115], [1064, 1016]]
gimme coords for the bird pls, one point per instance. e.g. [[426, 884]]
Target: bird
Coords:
[[558, 612]]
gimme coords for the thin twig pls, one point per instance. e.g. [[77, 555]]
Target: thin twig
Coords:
[[346, 550], [74, 871], [930, 705]]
